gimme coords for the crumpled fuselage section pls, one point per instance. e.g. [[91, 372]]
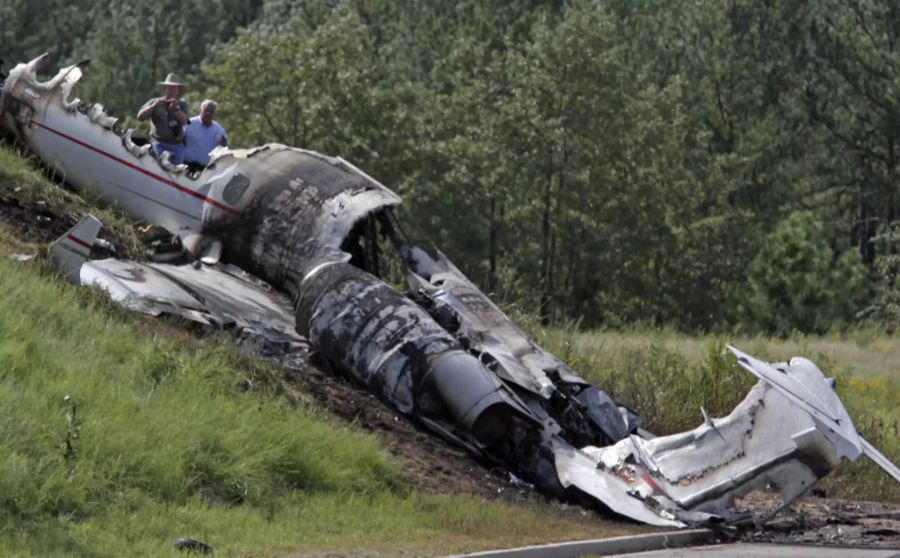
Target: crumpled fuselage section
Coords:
[[309, 230]]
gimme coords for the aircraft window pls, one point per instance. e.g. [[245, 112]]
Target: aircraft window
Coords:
[[235, 188]]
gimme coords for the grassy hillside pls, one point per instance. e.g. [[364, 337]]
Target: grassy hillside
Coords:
[[27, 193], [116, 442], [121, 433]]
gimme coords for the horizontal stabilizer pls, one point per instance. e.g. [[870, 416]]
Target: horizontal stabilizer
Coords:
[[880, 459]]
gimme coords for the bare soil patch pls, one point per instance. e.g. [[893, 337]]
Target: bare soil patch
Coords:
[[33, 224]]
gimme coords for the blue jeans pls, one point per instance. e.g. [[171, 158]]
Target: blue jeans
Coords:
[[176, 150]]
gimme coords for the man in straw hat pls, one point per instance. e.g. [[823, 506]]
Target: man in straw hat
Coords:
[[168, 115]]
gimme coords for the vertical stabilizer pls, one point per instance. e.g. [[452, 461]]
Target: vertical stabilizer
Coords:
[[73, 248]]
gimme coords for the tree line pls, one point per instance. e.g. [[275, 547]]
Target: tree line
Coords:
[[708, 165]]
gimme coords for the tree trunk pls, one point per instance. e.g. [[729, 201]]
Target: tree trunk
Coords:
[[492, 245], [546, 260]]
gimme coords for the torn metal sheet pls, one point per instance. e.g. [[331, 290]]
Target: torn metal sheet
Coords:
[[283, 243], [221, 296], [800, 381], [765, 440]]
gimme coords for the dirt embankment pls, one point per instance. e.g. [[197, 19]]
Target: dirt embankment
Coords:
[[434, 465]]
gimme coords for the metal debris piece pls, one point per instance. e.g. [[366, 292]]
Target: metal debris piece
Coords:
[[524, 487], [192, 545]]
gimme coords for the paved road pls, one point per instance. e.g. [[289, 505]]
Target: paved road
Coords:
[[765, 551]]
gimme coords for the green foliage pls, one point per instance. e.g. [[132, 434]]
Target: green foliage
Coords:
[[132, 45], [613, 162], [885, 308], [321, 94], [29, 28], [795, 282]]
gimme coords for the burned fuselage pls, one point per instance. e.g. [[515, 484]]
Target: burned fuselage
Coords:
[[441, 353]]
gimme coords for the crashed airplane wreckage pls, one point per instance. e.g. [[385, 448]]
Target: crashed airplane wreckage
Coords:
[[281, 242]]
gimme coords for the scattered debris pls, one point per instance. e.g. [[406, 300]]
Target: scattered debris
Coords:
[[282, 244], [192, 545], [524, 487], [822, 521], [21, 257]]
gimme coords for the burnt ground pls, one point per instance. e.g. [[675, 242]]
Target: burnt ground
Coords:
[[824, 521], [33, 224], [436, 467]]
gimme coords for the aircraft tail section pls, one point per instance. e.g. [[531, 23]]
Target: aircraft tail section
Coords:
[[72, 249]]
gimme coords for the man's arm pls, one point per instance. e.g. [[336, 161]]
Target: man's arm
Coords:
[[148, 107]]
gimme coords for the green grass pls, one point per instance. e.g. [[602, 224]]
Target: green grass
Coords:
[[115, 442], [867, 350]]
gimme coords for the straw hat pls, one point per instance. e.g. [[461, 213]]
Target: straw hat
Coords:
[[172, 79]]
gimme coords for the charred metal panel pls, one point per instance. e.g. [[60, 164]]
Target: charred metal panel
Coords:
[[390, 345], [569, 406], [220, 296], [299, 216], [520, 360]]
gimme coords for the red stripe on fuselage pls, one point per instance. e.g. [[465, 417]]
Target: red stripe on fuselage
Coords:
[[79, 242], [650, 482], [132, 166]]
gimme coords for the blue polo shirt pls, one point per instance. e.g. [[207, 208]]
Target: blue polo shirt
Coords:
[[199, 140]]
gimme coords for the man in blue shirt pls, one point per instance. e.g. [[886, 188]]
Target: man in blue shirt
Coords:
[[202, 135]]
